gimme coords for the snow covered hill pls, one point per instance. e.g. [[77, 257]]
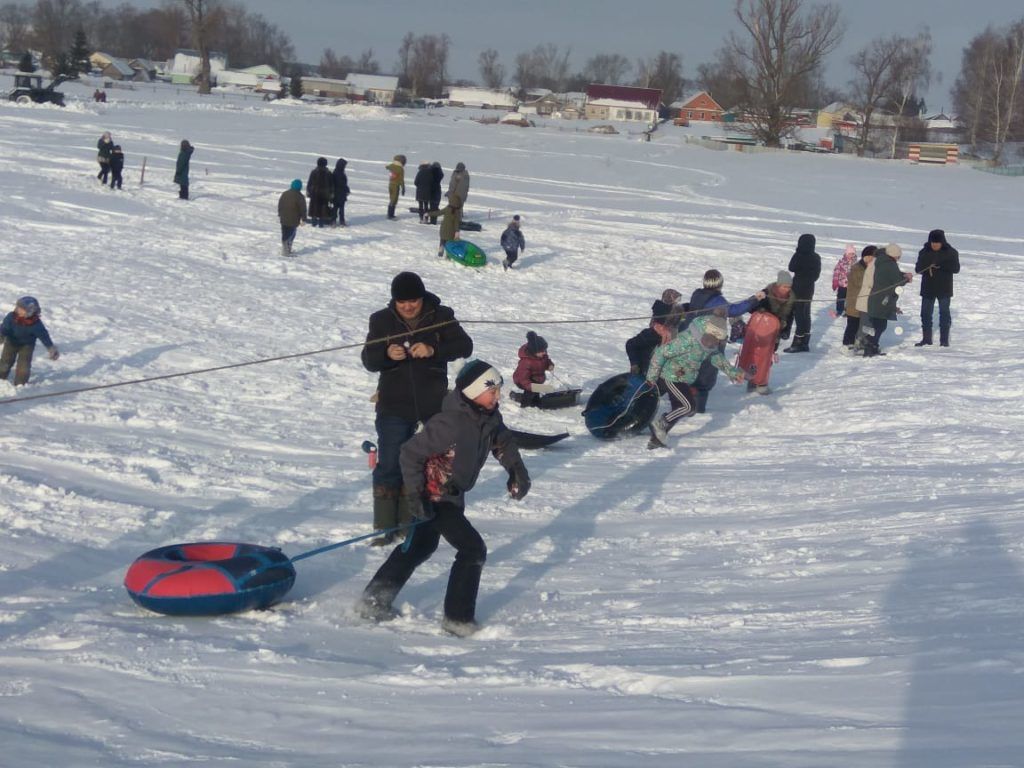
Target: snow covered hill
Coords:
[[829, 576]]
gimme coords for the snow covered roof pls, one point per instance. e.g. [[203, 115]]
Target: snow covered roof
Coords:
[[837, 107], [373, 82], [619, 103], [121, 67]]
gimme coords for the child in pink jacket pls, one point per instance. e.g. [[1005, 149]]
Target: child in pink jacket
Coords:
[[840, 276], [531, 372]]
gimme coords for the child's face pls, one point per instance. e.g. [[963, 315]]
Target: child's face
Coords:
[[20, 312], [488, 399]]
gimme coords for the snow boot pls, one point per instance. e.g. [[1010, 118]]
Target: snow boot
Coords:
[[751, 386], [926, 338], [391, 212], [459, 628], [375, 604], [943, 335], [801, 343], [659, 434], [763, 389], [385, 514]]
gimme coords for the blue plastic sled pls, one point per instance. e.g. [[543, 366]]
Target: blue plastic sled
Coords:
[[622, 405]]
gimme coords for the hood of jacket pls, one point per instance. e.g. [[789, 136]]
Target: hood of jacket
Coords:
[[806, 244]]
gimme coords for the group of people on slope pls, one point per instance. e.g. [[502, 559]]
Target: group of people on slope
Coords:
[[431, 445], [110, 156], [867, 291]]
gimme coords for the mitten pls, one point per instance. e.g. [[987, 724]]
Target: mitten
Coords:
[[518, 481], [835, 285], [54, 353]]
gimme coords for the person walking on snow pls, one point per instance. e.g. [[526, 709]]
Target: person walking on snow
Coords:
[[886, 284], [19, 332], [440, 465], [937, 262], [116, 167], [291, 209], [674, 368], [841, 276], [451, 218], [396, 183], [409, 343], [341, 191], [512, 242], [320, 188], [422, 182], [181, 168], [104, 147], [854, 283], [806, 268], [458, 184], [436, 177]]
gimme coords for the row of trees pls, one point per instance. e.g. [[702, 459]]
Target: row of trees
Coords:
[[772, 63], [56, 27]]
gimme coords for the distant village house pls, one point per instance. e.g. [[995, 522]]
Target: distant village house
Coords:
[[622, 102]]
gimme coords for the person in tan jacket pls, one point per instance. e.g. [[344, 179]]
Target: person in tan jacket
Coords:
[[396, 183]]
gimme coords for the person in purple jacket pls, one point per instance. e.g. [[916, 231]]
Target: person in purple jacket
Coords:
[[20, 330]]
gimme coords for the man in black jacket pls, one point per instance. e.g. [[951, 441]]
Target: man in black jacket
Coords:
[[806, 268], [937, 262], [410, 343]]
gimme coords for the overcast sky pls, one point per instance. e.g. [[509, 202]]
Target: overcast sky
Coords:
[[635, 28]]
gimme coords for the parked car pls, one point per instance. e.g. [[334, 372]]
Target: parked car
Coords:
[[28, 88]]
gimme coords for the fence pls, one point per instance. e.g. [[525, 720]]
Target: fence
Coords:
[[937, 154]]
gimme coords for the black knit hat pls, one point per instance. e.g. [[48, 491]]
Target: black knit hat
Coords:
[[476, 377], [321, 162], [535, 344], [407, 286], [937, 236]]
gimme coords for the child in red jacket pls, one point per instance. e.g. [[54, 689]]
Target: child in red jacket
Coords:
[[531, 372]]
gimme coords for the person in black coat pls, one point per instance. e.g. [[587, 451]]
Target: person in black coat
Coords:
[[421, 336], [937, 262], [423, 181], [437, 176], [662, 328], [806, 268], [104, 147], [320, 191], [341, 190], [116, 167]]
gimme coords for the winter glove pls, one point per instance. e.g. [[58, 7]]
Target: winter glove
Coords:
[[54, 353], [403, 190], [518, 481], [835, 285]]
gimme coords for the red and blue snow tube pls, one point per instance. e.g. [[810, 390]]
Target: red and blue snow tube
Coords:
[[209, 578]]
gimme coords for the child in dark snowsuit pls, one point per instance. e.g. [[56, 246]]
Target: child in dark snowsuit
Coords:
[[531, 373], [440, 464], [19, 331], [512, 242], [116, 166]]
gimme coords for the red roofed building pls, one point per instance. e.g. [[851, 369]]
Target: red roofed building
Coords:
[[622, 102]]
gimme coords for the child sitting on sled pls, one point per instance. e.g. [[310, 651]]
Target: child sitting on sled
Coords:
[[531, 373]]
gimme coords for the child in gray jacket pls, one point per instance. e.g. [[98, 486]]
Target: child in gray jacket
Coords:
[[440, 464]]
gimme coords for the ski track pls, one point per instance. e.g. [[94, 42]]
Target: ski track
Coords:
[[826, 577]]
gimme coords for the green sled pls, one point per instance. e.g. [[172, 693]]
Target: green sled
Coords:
[[465, 253]]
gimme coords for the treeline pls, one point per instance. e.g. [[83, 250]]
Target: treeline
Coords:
[[770, 65], [62, 29]]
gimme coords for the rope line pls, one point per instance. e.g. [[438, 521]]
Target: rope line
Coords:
[[367, 343]]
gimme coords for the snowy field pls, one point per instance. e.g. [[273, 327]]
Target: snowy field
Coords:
[[829, 576]]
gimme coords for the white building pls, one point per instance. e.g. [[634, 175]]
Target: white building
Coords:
[[187, 63], [482, 97], [379, 89]]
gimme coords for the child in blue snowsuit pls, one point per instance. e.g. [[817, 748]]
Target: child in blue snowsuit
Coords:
[[512, 242], [19, 331]]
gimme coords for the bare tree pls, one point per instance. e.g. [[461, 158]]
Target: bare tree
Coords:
[[366, 64], [543, 67], [14, 27], [491, 72], [53, 25], [423, 63], [873, 83], [608, 68], [779, 48], [204, 15], [664, 72], [911, 73], [720, 83], [332, 65], [988, 93]]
